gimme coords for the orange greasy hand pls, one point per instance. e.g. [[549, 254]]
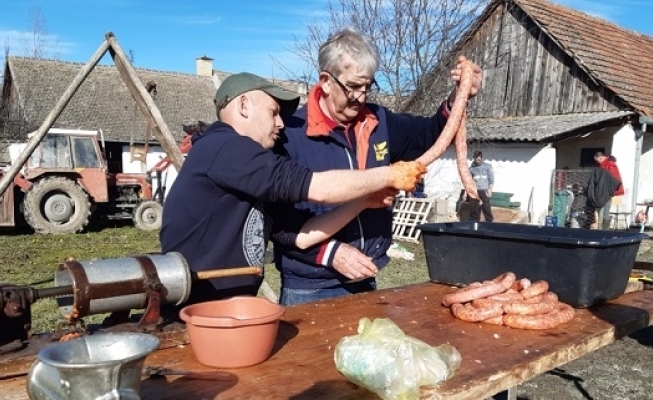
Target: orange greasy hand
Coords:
[[405, 175]]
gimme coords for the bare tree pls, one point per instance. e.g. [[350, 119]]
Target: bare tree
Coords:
[[412, 37], [35, 43], [38, 42]]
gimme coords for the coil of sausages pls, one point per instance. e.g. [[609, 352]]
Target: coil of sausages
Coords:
[[506, 300]]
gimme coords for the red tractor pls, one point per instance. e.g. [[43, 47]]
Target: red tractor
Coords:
[[66, 179]]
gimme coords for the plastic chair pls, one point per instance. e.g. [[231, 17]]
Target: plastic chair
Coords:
[[619, 215]]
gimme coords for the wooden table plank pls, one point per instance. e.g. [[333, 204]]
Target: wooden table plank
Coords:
[[494, 358]]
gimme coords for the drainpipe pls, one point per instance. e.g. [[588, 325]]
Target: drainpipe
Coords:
[[639, 136]]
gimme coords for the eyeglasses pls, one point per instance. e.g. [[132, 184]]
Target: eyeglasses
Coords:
[[370, 90]]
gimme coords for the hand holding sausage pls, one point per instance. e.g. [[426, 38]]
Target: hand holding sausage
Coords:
[[405, 175], [477, 78]]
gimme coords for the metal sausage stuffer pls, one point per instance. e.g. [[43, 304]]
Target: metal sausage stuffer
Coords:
[[105, 286]]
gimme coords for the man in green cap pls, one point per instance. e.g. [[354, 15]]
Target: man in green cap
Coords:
[[214, 214]]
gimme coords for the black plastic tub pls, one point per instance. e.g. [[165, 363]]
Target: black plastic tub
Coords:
[[582, 266]]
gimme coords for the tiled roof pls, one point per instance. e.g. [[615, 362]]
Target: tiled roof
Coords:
[[103, 100], [618, 58], [537, 128]]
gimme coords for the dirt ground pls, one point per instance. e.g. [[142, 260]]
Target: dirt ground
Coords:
[[622, 370]]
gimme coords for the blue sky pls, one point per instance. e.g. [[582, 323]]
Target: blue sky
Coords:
[[243, 35], [169, 35]]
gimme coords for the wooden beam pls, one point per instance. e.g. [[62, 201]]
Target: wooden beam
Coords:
[[144, 102], [51, 118]]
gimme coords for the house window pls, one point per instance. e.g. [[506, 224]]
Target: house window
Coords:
[[587, 156]]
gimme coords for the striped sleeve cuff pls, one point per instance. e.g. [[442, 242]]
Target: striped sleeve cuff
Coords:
[[327, 252]]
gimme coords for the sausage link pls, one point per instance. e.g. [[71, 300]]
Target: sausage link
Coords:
[[537, 299], [521, 284], [528, 308], [445, 300], [507, 296], [562, 314], [487, 302], [565, 313], [460, 144], [539, 287], [532, 306], [464, 296], [453, 122], [467, 312], [506, 279]]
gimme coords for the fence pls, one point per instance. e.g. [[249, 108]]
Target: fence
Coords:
[[409, 212]]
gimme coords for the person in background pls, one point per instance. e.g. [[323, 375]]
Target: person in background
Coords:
[[608, 163], [484, 177], [215, 214], [337, 128]]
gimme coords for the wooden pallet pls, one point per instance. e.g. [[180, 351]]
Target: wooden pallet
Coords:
[[407, 214]]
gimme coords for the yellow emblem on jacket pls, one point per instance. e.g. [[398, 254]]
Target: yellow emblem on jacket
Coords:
[[381, 150]]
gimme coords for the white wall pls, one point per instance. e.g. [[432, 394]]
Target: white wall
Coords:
[[154, 155], [624, 146], [645, 184], [645, 188], [522, 169]]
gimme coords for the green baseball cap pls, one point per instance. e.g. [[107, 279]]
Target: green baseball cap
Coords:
[[237, 84]]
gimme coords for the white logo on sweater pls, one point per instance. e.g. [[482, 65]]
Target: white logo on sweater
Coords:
[[255, 234]]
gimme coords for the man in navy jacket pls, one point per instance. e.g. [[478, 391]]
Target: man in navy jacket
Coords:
[[214, 214], [337, 129]]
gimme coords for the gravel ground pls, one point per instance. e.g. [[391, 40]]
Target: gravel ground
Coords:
[[622, 370]]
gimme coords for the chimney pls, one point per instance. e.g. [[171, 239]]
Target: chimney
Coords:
[[204, 66]]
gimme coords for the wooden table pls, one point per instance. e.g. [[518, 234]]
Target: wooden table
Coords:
[[494, 358]]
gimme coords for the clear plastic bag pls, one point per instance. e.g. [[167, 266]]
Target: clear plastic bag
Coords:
[[383, 359]]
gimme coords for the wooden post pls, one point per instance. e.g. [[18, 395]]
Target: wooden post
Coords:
[[145, 102]]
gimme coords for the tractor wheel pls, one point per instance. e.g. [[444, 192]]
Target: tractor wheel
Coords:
[[147, 215], [56, 205]]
